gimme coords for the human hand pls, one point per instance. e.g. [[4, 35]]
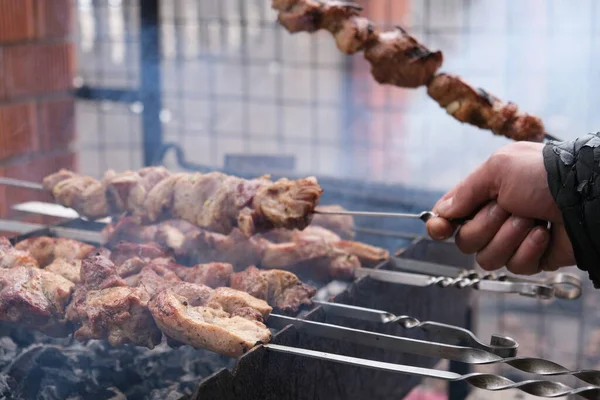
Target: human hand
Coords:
[[506, 195]]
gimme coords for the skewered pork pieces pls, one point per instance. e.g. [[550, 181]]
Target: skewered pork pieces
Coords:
[[130, 309], [315, 247], [213, 201], [399, 59], [480, 108], [35, 299], [225, 320], [48, 249]]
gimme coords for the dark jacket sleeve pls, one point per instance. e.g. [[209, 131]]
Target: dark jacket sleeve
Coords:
[[574, 178]]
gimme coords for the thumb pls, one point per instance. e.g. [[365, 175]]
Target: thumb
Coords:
[[470, 195]]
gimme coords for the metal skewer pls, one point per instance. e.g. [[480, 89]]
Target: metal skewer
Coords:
[[527, 289], [491, 382], [423, 216], [566, 286], [21, 183], [502, 346], [475, 353]]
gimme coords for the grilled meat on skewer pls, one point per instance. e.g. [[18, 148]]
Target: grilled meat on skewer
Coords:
[[396, 58], [11, 257], [228, 322], [312, 253], [105, 306], [479, 108], [399, 59], [35, 298], [84, 194], [281, 289], [315, 247], [47, 249], [213, 201], [368, 255]]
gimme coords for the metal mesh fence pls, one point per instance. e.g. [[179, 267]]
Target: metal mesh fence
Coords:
[[233, 83]]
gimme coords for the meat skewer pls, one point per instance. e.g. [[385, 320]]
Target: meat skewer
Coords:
[[316, 248], [224, 320], [213, 201], [398, 59]]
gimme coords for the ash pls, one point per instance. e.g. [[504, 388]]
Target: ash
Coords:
[[34, 366]]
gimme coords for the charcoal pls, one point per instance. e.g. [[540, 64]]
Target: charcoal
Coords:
[[66, 369], [7, 386], [8, 351]]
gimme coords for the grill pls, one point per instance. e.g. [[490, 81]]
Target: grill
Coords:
[[332, 340], [259, 373]]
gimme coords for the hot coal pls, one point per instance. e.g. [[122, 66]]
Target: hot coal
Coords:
[[34, 366]]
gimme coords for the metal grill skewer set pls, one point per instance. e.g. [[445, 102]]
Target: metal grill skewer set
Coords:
[[361, 338]]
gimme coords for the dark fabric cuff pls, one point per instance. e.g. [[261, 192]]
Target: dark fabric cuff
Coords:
[[573, 169]]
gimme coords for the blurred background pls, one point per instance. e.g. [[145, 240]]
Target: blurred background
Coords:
[[223, 81]]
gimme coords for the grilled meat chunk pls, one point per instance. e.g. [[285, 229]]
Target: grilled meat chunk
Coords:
[[11, 257], [309, 252], [84, 194], [399, 59], [213, 275], [154, 279], [227, 322], [68, 269], [35, 299], [369, 256], [281, 289], [48, 249], [213, 201], [479, 108], [105, 308]]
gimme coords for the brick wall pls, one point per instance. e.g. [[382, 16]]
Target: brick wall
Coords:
[[36, 106]]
